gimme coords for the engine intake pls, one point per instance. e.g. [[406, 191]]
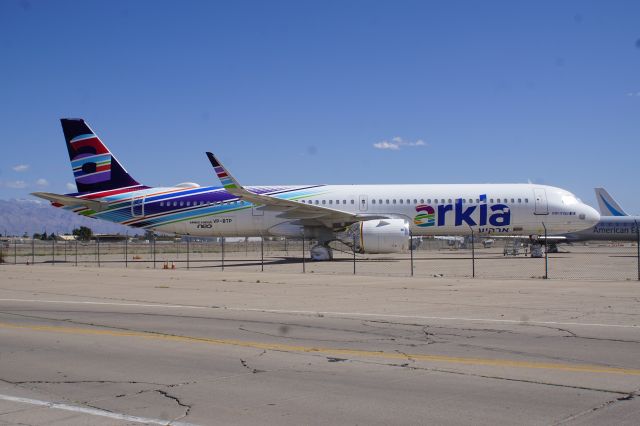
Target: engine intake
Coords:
[[381, 236]]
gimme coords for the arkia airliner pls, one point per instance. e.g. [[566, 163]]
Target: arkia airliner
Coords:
[[374, 218]]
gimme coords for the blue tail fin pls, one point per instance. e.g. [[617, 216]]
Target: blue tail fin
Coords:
[[608, 206], [94, 167]]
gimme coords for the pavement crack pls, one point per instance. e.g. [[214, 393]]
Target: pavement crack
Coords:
[[606, 404], [187, 407], [253, 370]]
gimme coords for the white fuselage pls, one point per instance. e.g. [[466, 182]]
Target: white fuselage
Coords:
[[447, 209]]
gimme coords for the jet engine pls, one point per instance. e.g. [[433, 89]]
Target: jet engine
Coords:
[[380, 236]]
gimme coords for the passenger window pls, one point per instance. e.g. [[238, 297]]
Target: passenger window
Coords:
[[330, 201], [175, 204], [337, 201], [415, 201], [519, 200], [373, 201], [408, 201], [470, 201], [353, 202], [478, 200], [317, 202], [401, 201], [344, 201], [526, 200], [491, 200], [161, 203], [324, 202], [188, 203], [379, 201], [512, 200], [387, 201], [394, 201], [422, 201]]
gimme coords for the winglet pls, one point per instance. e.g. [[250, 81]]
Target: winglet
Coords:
[[227, 180], [608, 206]]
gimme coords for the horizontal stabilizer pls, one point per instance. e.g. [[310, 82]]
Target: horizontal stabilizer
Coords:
[[67, 200]]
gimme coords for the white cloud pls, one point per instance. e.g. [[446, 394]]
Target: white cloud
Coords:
[[386, 145], [16, 184], [21, 168], [397, 143], [636, 94], [71, 186], [42, 182]]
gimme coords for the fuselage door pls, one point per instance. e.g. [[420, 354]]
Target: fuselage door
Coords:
[[363, 203], [137, 207], [541, 206]]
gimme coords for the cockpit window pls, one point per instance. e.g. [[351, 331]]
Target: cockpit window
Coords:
[[569, 200]]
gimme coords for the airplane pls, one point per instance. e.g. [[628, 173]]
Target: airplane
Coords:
[[369, 218]]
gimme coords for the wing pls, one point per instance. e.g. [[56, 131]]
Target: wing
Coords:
[[308, 214], [66, 200]]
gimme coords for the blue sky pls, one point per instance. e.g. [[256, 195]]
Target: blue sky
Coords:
[[303, 91]]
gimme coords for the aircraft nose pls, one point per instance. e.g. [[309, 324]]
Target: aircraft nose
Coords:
[[589, 215]]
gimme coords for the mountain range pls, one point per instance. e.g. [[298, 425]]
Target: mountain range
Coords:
[[20, 216]]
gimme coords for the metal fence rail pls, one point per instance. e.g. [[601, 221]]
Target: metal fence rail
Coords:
[[431, 258]]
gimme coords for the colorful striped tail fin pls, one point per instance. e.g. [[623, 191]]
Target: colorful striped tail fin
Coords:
[[94, 167]]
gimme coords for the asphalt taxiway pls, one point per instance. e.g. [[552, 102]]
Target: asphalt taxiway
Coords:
[[116, 346]]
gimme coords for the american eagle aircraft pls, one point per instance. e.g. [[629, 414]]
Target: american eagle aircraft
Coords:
[[614, 224], [374, 218]]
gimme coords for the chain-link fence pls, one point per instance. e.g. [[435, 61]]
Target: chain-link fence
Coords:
[[430, 257]]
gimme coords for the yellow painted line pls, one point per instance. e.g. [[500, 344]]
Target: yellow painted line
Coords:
[[493, 362]]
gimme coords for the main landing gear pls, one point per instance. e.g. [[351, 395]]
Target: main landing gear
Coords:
[[321, 252]]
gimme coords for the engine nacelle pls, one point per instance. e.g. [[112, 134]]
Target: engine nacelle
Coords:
[[382, 236]]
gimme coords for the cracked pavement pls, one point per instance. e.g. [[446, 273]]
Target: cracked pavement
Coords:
[[242, 348]]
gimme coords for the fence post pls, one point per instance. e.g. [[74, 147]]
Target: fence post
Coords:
[[33, 250], [354, 253], [638, 246], [303, 260], [546, 253], [98, 249], [53, 252], [153, 247], [411, 248], [126, 251], [222, 244], [15, 252], [473, 253], [76, 252], [188, 249], [261, 253]]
